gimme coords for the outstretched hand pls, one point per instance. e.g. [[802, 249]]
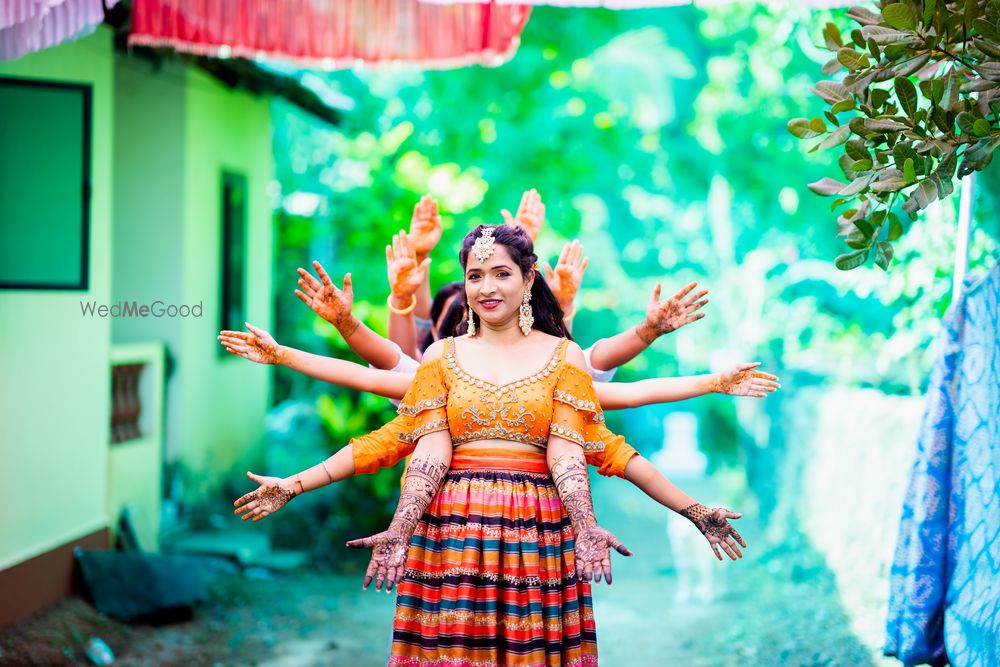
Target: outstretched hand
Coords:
[[406, 274], [272, 494], [592, 547], [425, 226], [254, 344], [326, 300], [566, 278], [388, 561], [530, 214], [713, 522], [672, 314], [742, 380]]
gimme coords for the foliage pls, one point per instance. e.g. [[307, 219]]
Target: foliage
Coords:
[[902, 144]]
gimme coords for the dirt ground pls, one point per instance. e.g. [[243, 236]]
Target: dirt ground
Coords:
[[777, 607]]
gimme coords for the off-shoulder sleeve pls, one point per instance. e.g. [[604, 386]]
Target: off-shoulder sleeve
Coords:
[[611, 461], [576, 413], [382, 448], [425, 403]]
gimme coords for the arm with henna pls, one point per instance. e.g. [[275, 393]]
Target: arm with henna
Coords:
[[661, 318], [592, 544], [739, 380], [424, 475]]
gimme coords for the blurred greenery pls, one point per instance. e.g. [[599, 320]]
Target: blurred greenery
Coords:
[[657, 137]]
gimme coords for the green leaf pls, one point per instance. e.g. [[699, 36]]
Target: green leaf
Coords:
[[857, 150], [831, 91], [800, 127], [843, 105], [928, 12], [864, 227], [988, 46], [888, 36], [874, 50], [884, 125], [827, 186], [903, 150], [981, 127], [858, 240], [864, 16], [851, 59], [858, 38], [817, 125], [989, 70], [883, 255], [966, 122], [851, 260], [831, 35], [922, 197], [836, 138], [861, 165], [895, 227], [937, 86], [906, 93], [888, 185], [909, 173], [879, 98], [900, 16], [858, 184]]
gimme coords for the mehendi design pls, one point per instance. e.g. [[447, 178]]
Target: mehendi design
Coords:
[[714, 525], [592, 543], [744, 380], [670, 315], [423, 477]]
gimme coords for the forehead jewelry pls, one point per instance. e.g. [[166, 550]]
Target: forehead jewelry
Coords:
[[483, 246]]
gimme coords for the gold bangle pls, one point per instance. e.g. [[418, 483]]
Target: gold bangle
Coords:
[[402, 311], [327, 471], [298, 480]]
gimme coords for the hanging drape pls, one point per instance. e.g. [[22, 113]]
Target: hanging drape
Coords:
[[637, 4], [944, 600], [332, 34], [27, 26]]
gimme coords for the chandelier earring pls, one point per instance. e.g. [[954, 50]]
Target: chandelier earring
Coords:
[[472, 322], [525, 318]]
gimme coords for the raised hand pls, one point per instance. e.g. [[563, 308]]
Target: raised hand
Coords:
[[254, 344], [330, 303], [388, 561], [742, 380], [405, 273], [425, 226], [592, 548], [714, 525], [530, 214], [272, 494], [672, 314], [566, 278]]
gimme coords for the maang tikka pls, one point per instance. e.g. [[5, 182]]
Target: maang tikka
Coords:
[[525, 319], [483, 247]]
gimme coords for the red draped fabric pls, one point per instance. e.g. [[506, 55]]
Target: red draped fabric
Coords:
[[333, 34]]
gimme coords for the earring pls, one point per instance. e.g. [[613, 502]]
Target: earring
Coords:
[[525, 319], [472, 322]]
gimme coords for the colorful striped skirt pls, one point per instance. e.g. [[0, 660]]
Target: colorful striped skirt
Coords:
[[490, 576]]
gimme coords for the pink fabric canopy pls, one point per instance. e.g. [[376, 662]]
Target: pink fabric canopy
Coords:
[[32, 25], [635, 4], [332, 34]]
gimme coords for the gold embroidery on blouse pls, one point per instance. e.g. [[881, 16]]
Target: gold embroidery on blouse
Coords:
[[577, 437], [422, 430], [575, 402], [420, 406]]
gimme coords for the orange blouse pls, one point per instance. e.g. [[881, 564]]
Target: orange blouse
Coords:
[[559, 399]]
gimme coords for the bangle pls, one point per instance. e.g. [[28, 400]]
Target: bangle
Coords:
[[327, 471], [298, 481], [402, 311]]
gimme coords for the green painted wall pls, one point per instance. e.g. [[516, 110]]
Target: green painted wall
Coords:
[[55, 383], [223, 399]]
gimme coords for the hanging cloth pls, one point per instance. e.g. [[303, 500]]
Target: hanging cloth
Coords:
[[638, 4], [944, 600], [27, 26], [333, 34]]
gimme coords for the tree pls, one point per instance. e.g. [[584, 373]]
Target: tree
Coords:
[[902, 143]]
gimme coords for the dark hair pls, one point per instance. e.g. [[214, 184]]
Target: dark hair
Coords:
[[544, 305], [449, 320]]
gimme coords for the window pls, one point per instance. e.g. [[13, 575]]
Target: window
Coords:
[[45, 144], [234, 252]]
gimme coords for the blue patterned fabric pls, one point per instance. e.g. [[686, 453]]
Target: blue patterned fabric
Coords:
[[944, 600]]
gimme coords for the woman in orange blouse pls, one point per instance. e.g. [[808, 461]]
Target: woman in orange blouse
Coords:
[[494, 542]]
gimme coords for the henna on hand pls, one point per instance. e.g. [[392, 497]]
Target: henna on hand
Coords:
[[592, 544], [566, 278], [672, 314], [254, 344], [327, 301], [272, 494], [742, 380], [530, 214], [425, 226], [406, 274], [423, 477], [714, 525]]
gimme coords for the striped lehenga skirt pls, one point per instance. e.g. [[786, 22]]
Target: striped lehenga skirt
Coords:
[[490, 575]]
